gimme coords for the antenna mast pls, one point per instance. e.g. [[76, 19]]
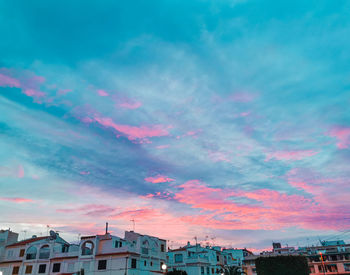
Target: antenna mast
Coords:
[[133, 224]]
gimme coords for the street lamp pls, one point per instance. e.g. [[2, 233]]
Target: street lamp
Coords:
[[164, 267]]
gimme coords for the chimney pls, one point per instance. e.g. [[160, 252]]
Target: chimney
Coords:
[[106, 228]]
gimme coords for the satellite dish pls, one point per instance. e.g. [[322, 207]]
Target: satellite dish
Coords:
[[53, 234]]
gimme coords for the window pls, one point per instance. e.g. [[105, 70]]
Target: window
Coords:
[[145, 263], [21, 252], [118, 244], [56, 267], [202, 269], [151, 263], [217, 258], [31, 253], [161, 264], [144, 250], [178, 258], [162, 248], [42, 268], [15, 270], [133, 263], [102, 264], [44, 252], [87, 248], [208, 270], [29, 269]]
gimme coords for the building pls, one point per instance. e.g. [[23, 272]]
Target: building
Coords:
[[7, 237], [238, 255], [331, 257], [97, 254], [198, 260]]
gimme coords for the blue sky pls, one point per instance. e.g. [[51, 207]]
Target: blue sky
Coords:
[[226, 119]]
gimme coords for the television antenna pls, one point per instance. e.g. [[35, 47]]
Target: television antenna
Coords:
[[25, 233], [133, 224]]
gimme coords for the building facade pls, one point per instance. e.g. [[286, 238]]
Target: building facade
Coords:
[[238, 255], [329, 258], [198, 260], [99, 254]]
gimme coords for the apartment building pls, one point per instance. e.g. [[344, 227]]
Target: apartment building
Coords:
[[238, 255], [198, 260], [332, 257], [134, 254]]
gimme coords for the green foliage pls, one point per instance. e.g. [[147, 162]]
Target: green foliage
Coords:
[[282, 265], [233, 270], [176, 272]]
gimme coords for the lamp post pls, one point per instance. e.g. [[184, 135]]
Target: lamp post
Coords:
[[164, 267]]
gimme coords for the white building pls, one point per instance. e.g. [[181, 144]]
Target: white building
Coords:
[[135, 254], [238, 255], [7, 237], [198, 260]]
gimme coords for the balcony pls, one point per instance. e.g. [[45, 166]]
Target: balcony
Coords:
[[197, 259], [65, 254]]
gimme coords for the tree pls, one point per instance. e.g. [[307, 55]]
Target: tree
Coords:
[[233, 270], [282, 265]]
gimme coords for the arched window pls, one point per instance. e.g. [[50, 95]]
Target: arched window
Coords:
[[87, 248], [44, 252], [31, 253]]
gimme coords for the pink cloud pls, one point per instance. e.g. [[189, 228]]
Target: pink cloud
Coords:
[[20, 171], [102, 93], [33, 93], [163, 146], [84, 173], [290, 155], [342, 134], [38, 79], [142, 213], [218, 156], [130, 105], [133, 132], [192, 133], [89, 210], [6, 81], [159, 195], [158, 179], [258, 209], [12, 172], [16, 200], [244, 114]]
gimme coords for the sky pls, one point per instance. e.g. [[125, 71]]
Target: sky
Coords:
[[228, 121]]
